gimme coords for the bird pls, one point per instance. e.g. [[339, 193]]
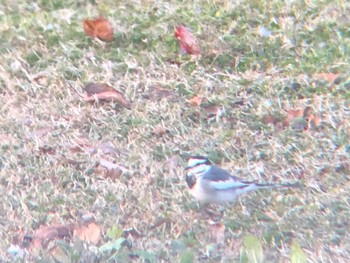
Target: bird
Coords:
[[211, 184]]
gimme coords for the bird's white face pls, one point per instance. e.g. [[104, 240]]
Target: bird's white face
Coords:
[[197, 165]]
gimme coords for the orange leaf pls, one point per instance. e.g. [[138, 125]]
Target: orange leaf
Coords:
[[315, 121], [196, 100], [99, 27], [329, 77], [45, 234], [90, 233], [99, 91], [292, 114], [188, 43]]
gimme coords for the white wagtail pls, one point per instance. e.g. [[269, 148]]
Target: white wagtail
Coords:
[[211, 184]]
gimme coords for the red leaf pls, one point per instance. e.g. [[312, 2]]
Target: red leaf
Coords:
[[188, 43], [99, 27], [90, 233]]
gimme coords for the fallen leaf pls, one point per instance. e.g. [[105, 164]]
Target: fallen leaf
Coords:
[[96, 88], [45, 234], [292, 114], [90, 233], [299, 119], [270, 119], [99, 27], [159, 130], [213, 111], [108, 169], [109, 165], [315, 121], [196, 100], [188, 43], [329, 77], [104, 92]]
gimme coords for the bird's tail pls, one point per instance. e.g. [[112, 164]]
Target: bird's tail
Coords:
[[267, 185]]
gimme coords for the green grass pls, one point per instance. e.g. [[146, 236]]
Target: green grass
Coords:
[[44, 180]]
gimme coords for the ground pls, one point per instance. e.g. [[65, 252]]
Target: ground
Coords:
[[65, 161]]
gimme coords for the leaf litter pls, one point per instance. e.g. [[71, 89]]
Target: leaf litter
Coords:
[[99, 28], [104, 92]]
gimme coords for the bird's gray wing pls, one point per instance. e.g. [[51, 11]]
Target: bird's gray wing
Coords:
[[220, 179]]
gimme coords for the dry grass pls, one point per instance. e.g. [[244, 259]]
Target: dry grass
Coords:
[[52, 141]]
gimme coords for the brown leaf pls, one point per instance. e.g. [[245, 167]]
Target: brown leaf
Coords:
[[160, 130], [90, 233], [292, 114], [101, 91], [196, 100], [301, 118], [213, 110], [270, 119], [329, 77], [188, 43], [110, 170], [99, 27], [45, 234], [315, 121]]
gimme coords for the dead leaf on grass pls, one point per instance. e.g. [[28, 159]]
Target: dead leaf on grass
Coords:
[[45, 234], [297, 119], [111, 170], [90, 233], [329, 77], [188, 44], [196, 100], [210, 111], [213, 111], [160, 130], [99, 27], [270, 119], [104, 92]]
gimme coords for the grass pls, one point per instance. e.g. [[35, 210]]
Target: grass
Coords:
[[52, 142]]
